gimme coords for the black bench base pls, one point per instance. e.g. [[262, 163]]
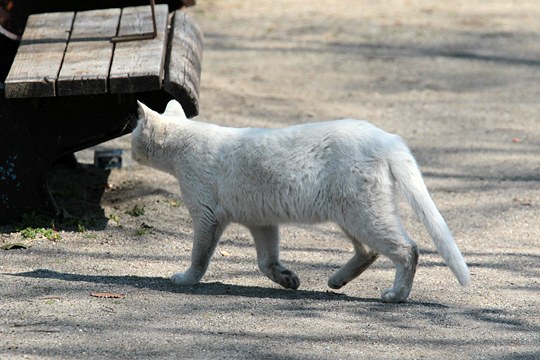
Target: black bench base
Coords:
[[34, 133]]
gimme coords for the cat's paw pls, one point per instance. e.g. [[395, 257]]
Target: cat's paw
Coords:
[[335, 283], [389, 296], [292, 281], [183, 278], [287, 279]]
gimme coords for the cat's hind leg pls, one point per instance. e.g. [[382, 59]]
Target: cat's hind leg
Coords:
[[403, 252], [361, 260], [384, 234], [206, 237], [267, 246], [405, 270]]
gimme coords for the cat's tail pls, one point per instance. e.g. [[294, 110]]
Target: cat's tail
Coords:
[[412, 186]]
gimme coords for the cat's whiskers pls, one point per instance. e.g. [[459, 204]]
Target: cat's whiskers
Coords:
[[130, 124]]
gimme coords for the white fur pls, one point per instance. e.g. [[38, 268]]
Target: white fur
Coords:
[[342, 171]]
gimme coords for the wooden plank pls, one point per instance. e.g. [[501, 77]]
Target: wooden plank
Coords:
[[89, 53], [138, 65], [35, 68], [183, 72]]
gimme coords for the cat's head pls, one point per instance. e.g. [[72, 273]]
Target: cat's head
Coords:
[[147, 137]]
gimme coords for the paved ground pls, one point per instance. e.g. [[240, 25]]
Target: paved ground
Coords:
[[459, 81]]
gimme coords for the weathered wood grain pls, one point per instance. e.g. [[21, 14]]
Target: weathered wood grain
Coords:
[[138, 65], [89, 53], [36, 66], [47, 65], [183, 71]]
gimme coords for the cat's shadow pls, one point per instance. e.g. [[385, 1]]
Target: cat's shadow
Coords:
[[209, 288]]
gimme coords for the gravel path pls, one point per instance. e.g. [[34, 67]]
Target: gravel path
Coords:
[[460, 82]]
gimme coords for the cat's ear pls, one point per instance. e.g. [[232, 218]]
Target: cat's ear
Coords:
[[174, 109], [143, 110]]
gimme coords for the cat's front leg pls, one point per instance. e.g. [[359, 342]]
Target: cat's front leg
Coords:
[[267, 245], [207, 232]]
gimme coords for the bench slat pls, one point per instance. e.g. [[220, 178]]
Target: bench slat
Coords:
[[183, 71], [89, 53], [39, 57], [138, 65]]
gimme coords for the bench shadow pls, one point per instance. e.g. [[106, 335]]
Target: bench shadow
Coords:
[[78, 191]]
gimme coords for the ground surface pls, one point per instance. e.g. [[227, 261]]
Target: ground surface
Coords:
[[459, 81]]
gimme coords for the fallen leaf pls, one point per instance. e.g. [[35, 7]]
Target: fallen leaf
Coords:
[[107, 295], [225, 253], [523, 201], [13, 246], [516, 140]]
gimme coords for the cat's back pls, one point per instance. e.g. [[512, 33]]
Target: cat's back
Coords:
[[339, 135], [347, 130]]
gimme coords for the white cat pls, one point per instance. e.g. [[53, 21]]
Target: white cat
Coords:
[[342, 171]]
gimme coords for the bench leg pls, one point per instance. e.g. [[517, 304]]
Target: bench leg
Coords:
[[23, 185]]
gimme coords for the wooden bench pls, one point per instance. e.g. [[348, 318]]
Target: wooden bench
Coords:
[[70, 87]]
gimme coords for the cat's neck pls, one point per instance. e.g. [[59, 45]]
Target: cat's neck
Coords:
[[181, 144]]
